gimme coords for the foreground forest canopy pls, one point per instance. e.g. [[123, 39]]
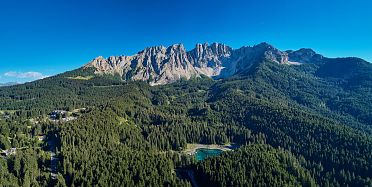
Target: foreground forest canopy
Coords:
[[297, 125]]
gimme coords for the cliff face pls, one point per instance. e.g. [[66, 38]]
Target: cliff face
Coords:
[[162, 65]]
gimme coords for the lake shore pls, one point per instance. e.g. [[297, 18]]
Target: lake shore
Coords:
[[191, 148]]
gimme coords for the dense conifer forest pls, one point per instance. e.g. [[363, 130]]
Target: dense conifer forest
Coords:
[[295, 125]]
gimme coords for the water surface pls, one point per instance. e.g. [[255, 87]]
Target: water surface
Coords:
[[204, 153]]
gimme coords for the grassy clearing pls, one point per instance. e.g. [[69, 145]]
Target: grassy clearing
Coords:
[[81, 78]]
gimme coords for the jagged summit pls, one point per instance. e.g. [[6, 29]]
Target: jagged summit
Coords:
[[161, 65]]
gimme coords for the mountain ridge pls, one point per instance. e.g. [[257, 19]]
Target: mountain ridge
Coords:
[[8, 84]]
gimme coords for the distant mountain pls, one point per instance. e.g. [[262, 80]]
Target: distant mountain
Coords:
[[8, 84], [161, 65]]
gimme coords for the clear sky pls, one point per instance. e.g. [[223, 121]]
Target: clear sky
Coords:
[[44, 37]]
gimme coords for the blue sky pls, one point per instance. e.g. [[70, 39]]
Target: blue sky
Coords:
[[42, 37]]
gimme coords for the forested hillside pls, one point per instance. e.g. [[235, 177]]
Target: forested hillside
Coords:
[[297, 125]]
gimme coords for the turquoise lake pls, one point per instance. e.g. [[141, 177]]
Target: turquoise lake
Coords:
[[203, 153]]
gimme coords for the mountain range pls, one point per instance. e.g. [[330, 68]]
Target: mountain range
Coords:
[[162, 65]]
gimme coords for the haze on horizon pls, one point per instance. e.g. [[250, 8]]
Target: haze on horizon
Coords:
[[43, 38]]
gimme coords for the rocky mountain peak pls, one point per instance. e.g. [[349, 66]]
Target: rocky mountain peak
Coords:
[[221, 49], [176, 48], [215, 49], [153, 50], [101, 64], [264, 46], [276, 56], [270, 53]]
